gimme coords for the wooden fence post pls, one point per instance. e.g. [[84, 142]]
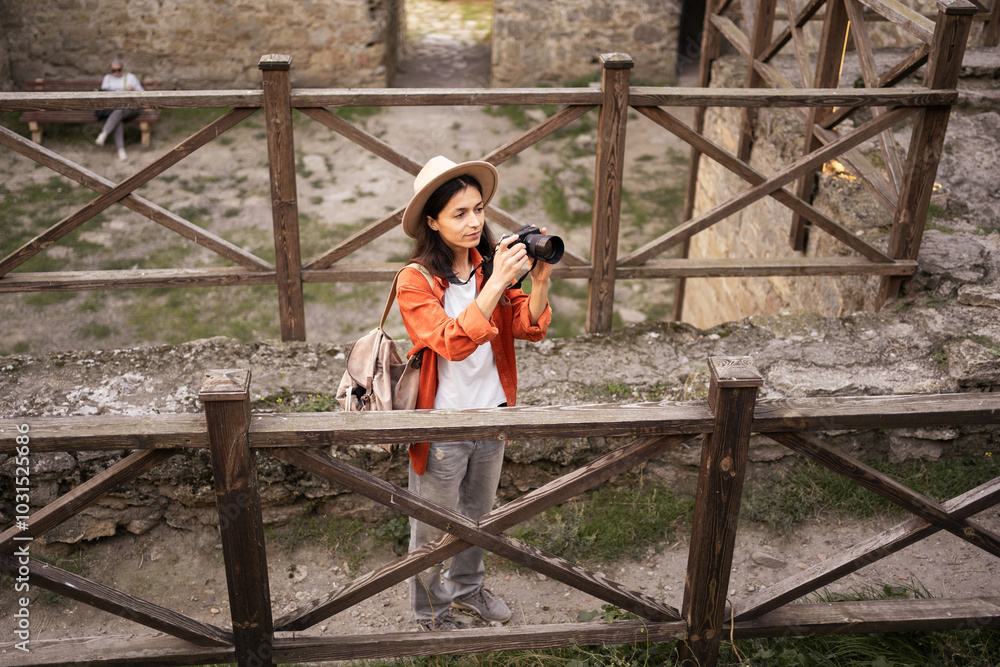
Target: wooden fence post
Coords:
[[711, 47], [732, 396], [608, 189], [829, 61], [761, 29], [226, 395], [284, 203], [944, 64]]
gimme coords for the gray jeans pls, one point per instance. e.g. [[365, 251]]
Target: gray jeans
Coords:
[[462, 476], [114, 124]]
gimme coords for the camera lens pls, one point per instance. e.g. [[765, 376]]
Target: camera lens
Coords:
[[546, 248]]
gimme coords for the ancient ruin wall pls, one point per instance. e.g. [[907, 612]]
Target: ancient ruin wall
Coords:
[[560, 41], [762, 229], [187, 44]]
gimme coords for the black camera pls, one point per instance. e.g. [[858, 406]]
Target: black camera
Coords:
[[548, 249]]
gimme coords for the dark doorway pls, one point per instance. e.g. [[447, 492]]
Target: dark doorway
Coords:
[[689, 37], [447, 44]]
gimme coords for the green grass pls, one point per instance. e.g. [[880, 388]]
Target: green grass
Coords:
[[609, 523], [806, 490]]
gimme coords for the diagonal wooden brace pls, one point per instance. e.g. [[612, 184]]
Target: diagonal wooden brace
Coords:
[[890, 489]]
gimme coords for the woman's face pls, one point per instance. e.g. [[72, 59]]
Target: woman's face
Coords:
[[460, 222]]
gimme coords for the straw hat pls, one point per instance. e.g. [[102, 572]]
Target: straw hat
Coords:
[[438, 171]]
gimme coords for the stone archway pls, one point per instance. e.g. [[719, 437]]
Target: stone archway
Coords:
[[447, 45]]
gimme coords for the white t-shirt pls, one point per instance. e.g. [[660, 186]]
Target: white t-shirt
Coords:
[[472, 382], [125, 82]]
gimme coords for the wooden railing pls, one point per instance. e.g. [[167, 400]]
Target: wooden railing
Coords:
[[236, 438], [905, 188]]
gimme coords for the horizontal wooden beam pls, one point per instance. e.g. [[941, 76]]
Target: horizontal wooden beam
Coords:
[[792, 97], [108, 432], [896, 411], [527, 422], [839, 618], [665, 418], [117, 651], [639, 96], [764, 267], [804, 619], [132, 279]]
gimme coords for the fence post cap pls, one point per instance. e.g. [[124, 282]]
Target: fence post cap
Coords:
[[957, 7], [617, 61], [734, 372], [225, 385], [275, 61]]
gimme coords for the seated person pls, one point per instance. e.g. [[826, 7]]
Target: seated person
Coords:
[[117, 79]]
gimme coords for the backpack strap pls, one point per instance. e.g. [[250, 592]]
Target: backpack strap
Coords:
[[392, 292]]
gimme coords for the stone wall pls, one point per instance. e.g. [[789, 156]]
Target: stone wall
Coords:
[[762, 230], [560, 41], [205, 44]]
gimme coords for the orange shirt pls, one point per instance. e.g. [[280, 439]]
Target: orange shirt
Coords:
[[429, 327]]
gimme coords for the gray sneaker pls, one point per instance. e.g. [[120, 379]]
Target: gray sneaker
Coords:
[[439, 623], [484, 604]]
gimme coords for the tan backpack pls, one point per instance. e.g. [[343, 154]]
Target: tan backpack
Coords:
[[376, 377]]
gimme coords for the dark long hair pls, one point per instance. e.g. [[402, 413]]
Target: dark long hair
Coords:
[[431, 250]]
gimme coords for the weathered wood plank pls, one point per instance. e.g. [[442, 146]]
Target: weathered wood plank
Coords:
[[866, 57], [478, 640], [761, 30], [357, 240], [110, 432], [763, 267], [863, 554], [923, 614], [531, 504], [96, 487], [120, 604], [790, 173], [732, 394], [469, 530], [909, 19], [141, 177], [116, 651], [754, 178], [829, 60], [226, 395], [883, 485], [284, 198], [107, 432], [546, 128], [408, 97], [798, 20], [641, 96], [927, 139], [154, 212], [132, 279], [364, 139], [347, 428], [307, 98], [608, 175], [897, 411]]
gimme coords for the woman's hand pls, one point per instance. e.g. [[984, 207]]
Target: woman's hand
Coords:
[[510, 261]]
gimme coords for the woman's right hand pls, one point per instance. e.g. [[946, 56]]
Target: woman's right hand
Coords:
[[510, 261]]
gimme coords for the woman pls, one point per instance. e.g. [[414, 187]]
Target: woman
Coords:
[[463, 318], [118, 80]]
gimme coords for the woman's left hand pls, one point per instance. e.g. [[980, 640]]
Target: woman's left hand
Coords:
[[542, 270]]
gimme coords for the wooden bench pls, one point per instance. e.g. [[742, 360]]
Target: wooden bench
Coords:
[[36, 119]]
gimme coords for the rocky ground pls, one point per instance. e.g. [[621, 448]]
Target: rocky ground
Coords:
[[943, 336]]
